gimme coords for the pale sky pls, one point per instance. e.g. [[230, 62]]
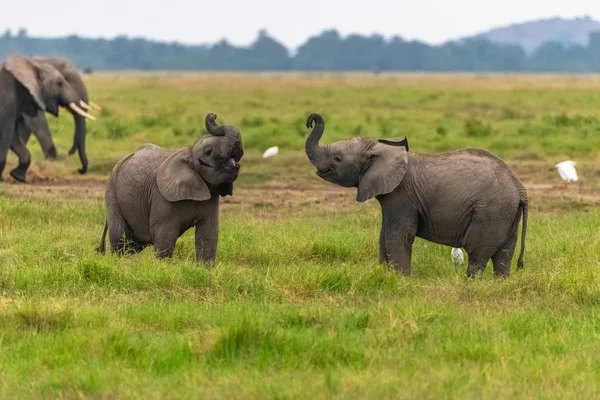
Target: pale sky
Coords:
[[291, 22]]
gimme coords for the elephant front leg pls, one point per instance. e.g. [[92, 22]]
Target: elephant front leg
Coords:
[[7, 130], [395, 245], [19, 148], [39, 126], [207, 234], [383, 257], [165, 238]]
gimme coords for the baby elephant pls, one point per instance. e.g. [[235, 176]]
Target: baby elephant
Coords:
[[154, 195], [467, 198]]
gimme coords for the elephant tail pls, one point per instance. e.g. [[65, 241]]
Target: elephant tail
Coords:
[[523, 206], [102, 248]]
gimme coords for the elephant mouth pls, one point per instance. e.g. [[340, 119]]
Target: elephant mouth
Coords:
[[52, 109], [325, 172], [232, 176]]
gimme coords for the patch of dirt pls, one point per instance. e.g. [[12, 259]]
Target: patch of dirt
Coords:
[[276, 198], [65, 190]]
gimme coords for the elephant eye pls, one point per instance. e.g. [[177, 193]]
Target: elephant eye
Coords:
[[208, 152], [60, 83], [337, 159]]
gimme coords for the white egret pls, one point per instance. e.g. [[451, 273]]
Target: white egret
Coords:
[[270, 152], [566, 170], [457, 256]]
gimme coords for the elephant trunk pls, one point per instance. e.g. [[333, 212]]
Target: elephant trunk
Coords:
[[212, 127], [224, 130], [79, 141], [315, 152]]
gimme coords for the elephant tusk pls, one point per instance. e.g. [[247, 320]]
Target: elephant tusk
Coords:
[[96, 106], [79, 111], [85, 106]]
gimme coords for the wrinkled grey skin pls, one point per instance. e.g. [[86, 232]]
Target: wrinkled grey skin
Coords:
[[27, 87], [467, 198], [154, 195], [39, 125]]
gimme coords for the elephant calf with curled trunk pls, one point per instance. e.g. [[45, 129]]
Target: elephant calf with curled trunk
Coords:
[[154, 195], [467, 198]]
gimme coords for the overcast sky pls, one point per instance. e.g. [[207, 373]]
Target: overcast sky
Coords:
[[292, 22]]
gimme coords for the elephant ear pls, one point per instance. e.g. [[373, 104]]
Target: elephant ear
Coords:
[[225, 189], [388, 163], [177, 181], [28, 74]]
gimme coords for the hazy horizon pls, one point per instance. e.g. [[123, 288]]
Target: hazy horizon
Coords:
[[185, 21]]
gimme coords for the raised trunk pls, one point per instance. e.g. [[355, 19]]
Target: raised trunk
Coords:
[[212, 127], [315, 152]]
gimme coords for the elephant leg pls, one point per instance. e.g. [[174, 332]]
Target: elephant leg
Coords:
[[482, 240], [477, 263], [39, 126], [121, 241], [383, 258], [131, 246], [119, 234], [19, 148], [503, 257], [165, 236], [398, 249], [7, 132], [207, 234], [398, 232]]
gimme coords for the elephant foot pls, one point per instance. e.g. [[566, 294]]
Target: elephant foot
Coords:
[[20, 172], [82, 171], [18, 175], [51, 153]]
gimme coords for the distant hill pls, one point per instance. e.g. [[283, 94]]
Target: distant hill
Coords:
[[530, 35]]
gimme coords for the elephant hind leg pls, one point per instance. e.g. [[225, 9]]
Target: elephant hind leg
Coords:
[[121, 238], [503, 257], [120, 234], [482, 241], [477, 263]]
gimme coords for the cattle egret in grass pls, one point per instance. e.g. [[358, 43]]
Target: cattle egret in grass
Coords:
[[457, 256], [270, 152], [566, 170]]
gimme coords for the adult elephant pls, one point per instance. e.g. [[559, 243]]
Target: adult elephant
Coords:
[[39, 125], [28, 87]]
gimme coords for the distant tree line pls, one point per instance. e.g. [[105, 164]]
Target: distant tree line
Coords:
[[328, 51]]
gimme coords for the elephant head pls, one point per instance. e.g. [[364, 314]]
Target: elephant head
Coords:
[[82, 106], [210, 163], [46, 87], [375, 167]]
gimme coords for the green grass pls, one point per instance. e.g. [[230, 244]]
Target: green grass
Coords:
[[297, 305], [294, 308]]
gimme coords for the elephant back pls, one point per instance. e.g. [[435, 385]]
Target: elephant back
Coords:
[[142, 164]]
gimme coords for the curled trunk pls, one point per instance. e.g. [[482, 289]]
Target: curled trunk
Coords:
[[314, 151], [212, 127]]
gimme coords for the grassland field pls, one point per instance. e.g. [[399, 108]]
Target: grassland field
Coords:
[[297, 305]]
